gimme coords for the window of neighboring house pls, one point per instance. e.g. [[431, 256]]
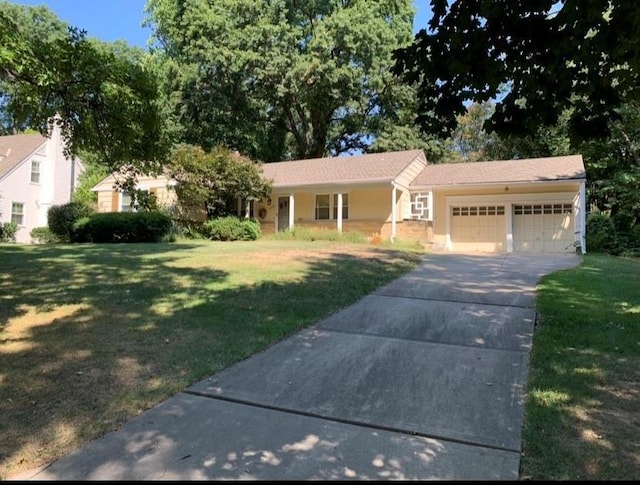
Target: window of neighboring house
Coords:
[[17, 213], [345, 206], [323, 208], [35, 171]]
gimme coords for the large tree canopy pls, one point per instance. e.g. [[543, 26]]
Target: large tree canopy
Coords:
[[280, 79], [538, 58], [104, 96]]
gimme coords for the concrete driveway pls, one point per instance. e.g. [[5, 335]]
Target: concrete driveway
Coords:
[[423, 379]]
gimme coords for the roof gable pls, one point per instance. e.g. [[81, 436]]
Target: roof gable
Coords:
[[502, 171], [369, 168], [14, 149]]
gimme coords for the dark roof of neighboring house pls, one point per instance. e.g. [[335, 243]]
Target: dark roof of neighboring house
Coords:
[[15, 148], [502, 171], [374, 167]]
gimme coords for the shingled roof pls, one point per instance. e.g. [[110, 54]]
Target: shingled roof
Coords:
[[15, 148], [502, 171], [370, 168]]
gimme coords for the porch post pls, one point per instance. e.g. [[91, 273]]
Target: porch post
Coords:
[[339, 211], [393, 211], [291, 211], [247, 210]]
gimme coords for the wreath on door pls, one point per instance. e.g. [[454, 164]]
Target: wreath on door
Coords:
[[262, 213]]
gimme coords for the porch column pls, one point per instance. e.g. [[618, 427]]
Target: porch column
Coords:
[[339, 211], [394, 192], [291, 211], [247, 210]]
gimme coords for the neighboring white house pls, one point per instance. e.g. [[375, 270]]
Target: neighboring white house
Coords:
[[34, 175]]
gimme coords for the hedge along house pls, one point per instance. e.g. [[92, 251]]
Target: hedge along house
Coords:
[[501, 206]]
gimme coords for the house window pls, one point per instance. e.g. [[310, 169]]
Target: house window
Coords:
[[323, 208], [125, 202], [420, 207], [345, 206], [17, 213], [35, 171]]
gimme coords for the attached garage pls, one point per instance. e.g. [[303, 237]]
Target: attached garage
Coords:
[[533, 205]]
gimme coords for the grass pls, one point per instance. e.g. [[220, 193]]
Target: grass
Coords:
[[93, 335], [583, 409]]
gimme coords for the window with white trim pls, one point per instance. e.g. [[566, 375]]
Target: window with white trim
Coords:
[[323, 207], [125, 201], [17, 213], [35, 171], [345, 206]]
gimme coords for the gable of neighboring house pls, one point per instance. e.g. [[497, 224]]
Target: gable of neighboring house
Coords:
[[34, 175]]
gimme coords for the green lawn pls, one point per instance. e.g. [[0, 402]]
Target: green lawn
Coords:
[[92, 335], [583, 408]]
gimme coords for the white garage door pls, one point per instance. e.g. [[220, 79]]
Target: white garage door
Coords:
[[543, 228], [478, 228]]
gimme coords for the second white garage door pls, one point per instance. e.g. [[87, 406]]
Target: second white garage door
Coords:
[[543, 228], [478, 228]]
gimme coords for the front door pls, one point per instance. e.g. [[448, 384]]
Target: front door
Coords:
[[283, 213]]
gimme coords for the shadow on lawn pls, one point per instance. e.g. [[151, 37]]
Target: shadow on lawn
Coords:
[[582, 412], [111, 330]]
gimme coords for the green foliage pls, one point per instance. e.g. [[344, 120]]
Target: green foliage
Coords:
[[61, 218], [129, 227], [43, 235], [601, 234], [8, 231], [102, 96], [209, 183], [304, 233], [231, 228], [281, 79], [538, 58]]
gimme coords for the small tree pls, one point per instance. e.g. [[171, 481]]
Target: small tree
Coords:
[[210, 182]]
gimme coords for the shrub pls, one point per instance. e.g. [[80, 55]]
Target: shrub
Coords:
[[43, 235], [231, 228], [61, 218], [8, 232], [80, 230], [601, 234], [125, 227]]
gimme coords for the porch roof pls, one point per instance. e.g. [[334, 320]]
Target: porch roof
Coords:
[[358, 169]]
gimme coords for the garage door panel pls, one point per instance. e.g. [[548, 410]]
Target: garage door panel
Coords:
[[543, 227], [478, 228]]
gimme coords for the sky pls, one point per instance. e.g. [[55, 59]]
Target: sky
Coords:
[[111, 20]]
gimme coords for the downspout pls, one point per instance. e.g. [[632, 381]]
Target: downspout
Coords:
[[583, 216]]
